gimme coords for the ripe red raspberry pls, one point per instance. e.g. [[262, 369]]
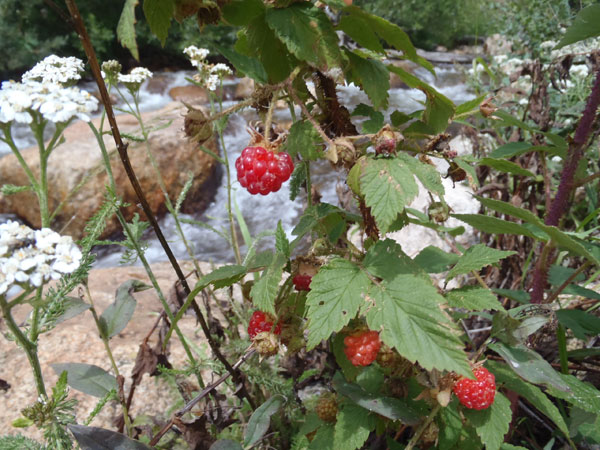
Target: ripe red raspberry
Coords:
[[302, 282], [262, 171], [476, 394], [362, 348], [260, 322]]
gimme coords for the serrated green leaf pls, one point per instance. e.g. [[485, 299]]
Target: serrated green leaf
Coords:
[[494, 225], [361, 32], [470, 106], [513, 294], [585, 25], [323, 440], [221, 277], [491, 424], [386, 260], [511, 149], [388, 186], [87, 378], [376, 121], [158, 15], [304, 140], [263, 44], [435, 260], [241, 12], [473, 298], [126, 28], [426, 173], [450, 425], [264, 291], [407, 312], [307, 33], [477, 257], [581, 394], [336, 293], [247, 65], [281, 241], [534, 395], [582, 324], [372, 76], [530, 365], [260, 420], [505, 166], [392, 408], [118, 314], [353, 426], [390, 33]]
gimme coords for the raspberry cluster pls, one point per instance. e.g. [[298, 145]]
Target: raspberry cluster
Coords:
[[262, 171], [302, 282], [476, 394], [260, 322], [362, 348]]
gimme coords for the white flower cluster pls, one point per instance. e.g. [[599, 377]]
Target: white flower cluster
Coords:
[[56, 69], [34, 256], [208, 74], [135, 78], [21, 101]]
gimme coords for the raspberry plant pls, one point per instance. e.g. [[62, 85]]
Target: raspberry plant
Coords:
[[417, 308]]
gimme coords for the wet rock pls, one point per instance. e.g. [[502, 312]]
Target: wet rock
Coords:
[[193, 95], [244, 89], [76, 175]]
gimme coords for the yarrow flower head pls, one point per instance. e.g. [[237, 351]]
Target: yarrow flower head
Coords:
[[56, 69], [196, 55], [111, 70], [208, 74], [134, 79], [21, 101], [33, 257], [221, 70]]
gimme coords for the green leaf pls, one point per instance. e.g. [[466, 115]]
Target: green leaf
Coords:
[[390, 33], [247, 65], [8, 442], [353, 426], [263, 44], [126, 28], [450, 427], [304, 140], [494, 225], [87, 378], [392, 408], [307, 33], [511, 149], [473, 298], [530, 365], [11, 189], [323, 440], [93, 438], [491, 424], [534, 395], [372, 76], [477, 257], [281, 241], [260, 420], [516, 295], [118, 314], [265, 290], [361, 32], [241, 12], [72, 306], [388, 186], [376, 121], [407, 311], [585, 25], [426, 173], [471, 106], [505, 166], [158, 15], [386, 260], [582, 324], [336, 293], [226, 444], [435, 260], [222, 277], [581, 394]]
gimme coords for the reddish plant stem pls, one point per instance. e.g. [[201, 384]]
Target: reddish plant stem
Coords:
[[77, 22], [560, 204]]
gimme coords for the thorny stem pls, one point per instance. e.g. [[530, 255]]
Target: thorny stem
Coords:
[[105, 340], [423, 427], [560, 204], [79, 26], [269, 120]]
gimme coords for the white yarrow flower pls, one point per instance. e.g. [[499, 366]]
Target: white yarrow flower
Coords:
[[221, 70], [56, 69], [196, 55]]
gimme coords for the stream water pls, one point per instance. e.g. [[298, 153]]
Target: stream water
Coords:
[[260, 213]]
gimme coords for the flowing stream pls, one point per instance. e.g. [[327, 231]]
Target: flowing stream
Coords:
[[261, 213]]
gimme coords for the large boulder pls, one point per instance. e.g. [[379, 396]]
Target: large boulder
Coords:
[[76, 174]]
